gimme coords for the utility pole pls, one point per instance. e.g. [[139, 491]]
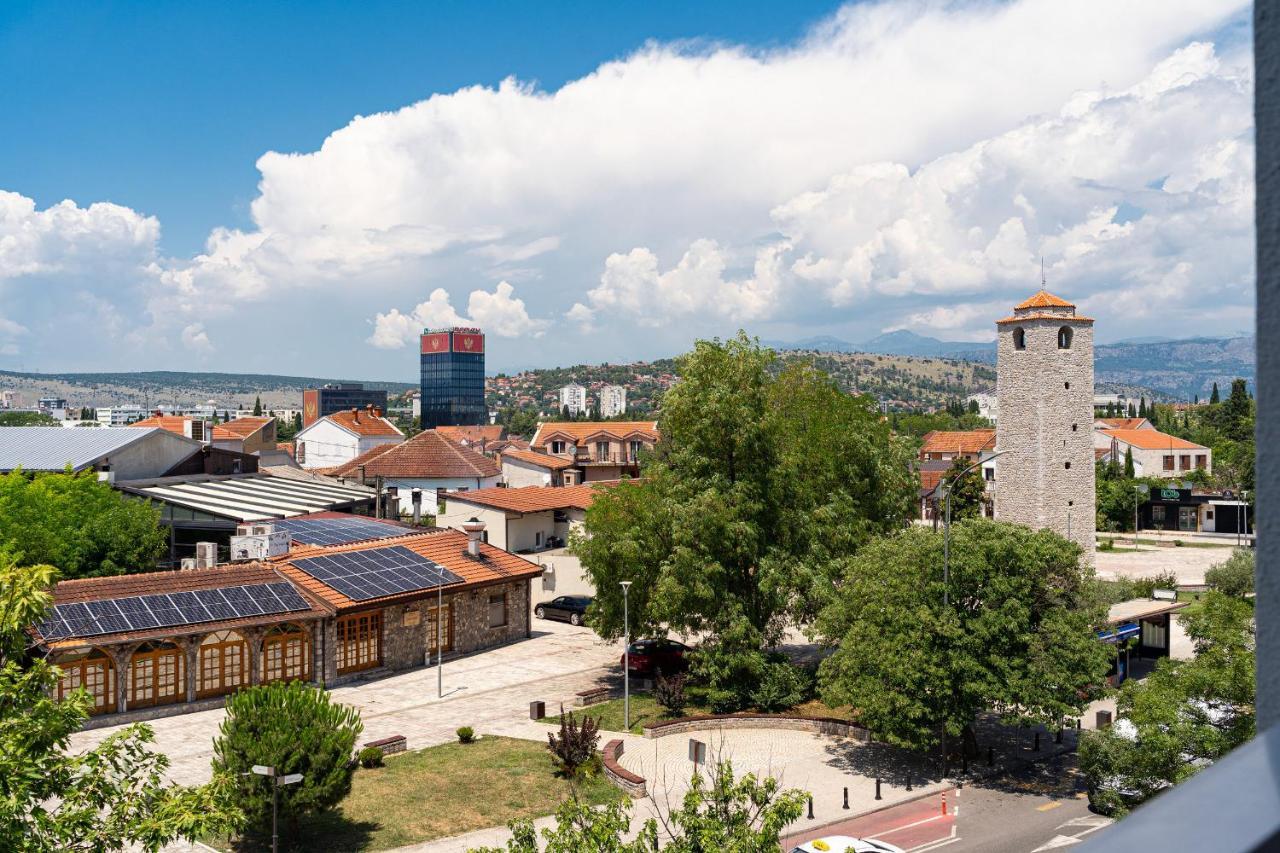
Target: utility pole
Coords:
[[626, 657]]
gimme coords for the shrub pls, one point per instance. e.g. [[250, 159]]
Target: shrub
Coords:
[[370, 756], [1177, 543], [669, 691], [575, 746], [466, 734], [294, 728], [1144, 587], [1234, 576], [782, 685], [1107, 545]]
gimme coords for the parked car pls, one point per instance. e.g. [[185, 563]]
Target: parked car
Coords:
[[566, 608], [647, 657], [846, 844]]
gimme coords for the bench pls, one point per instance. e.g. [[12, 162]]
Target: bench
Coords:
[[593, 696], [388, 745]]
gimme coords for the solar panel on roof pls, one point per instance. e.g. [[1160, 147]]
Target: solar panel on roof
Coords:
[[336, 531], [144, 612], [362, 575]]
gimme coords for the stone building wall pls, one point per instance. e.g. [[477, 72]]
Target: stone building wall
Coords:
[[1045, 397]]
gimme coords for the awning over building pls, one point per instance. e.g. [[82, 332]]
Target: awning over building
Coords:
[[252, 497]]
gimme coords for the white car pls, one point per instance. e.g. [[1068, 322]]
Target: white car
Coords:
[[846, 844]]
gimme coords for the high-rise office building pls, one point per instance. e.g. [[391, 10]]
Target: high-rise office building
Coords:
[[338, 397], [453, 378]]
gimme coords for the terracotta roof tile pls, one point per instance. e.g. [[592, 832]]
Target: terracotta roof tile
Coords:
[[428, 455], [969, 441], [363, 423], [1043, 299], [535, 498], [554, 463], [472, 434], [446, 547], [1150, 439], [240, 427], [1125, 423], [582, 431], [1020, 318]]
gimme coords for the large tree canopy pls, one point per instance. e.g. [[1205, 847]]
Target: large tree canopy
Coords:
[[80, 526], [763, 478], [1016, 637], [107, 798]]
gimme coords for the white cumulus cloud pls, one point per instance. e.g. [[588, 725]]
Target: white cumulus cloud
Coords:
[[498, 313]]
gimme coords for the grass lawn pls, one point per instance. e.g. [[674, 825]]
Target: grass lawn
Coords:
[[441, 791], [645, 709], [1126, 543], [1196, 599]]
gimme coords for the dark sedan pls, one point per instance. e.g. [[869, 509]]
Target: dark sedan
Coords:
[[649, 657], [566, 608]]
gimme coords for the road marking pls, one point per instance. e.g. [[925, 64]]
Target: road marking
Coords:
[[908, 826], [934, 845], [1047, 806], [1057, 841]]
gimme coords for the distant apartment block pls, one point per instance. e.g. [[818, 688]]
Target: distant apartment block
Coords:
[[339, 397], [121, 415], [452, 378], [613, 401], [573, 397]]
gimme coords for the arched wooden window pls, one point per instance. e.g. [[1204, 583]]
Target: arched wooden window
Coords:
[[1019, 339], [93, 670], [1064, 337], [157, 675], [359, 641], [223, 664], [286, 654]]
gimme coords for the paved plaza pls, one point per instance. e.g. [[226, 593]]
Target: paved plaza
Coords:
[[1187, 563], [489, 691]]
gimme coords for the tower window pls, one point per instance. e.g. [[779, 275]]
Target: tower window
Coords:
[[1019, 339], [1073, 427], [1064, 337], [1066, 385], [1068, 466]]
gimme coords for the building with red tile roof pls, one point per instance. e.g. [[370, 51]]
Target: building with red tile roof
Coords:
[[603, 450], [1123, 423], [530, 468], [334, 440], [186, 638], [1155, 454], [478, 437], [428, 462], [942, 444]]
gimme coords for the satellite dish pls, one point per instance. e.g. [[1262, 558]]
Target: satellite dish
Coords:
[[1144, 488]]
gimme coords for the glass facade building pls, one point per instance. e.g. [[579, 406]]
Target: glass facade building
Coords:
[[319, 402], [453, 378]]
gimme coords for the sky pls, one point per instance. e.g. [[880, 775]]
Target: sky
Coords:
[[301, 188]]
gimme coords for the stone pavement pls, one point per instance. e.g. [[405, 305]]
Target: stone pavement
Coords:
[[489, 691], [1188, 564]]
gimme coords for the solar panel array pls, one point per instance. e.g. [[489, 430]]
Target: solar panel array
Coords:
[[144, 612], [336, 531], [362, 575]]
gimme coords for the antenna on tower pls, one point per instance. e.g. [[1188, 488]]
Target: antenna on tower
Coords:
[[1043, 282]]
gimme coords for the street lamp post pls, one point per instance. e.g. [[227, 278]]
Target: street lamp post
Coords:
[[945, 488], [626, 657], [276, 783], [440, 642]]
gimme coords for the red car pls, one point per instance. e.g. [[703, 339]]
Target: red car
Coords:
[[648, 657]]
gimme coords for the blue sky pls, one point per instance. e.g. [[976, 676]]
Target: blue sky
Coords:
[[189, 186]]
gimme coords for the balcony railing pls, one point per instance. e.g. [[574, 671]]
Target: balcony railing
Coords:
[[606, 459]]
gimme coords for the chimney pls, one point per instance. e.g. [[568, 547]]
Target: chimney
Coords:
[[474, 528], [416, 498], [355, 415]]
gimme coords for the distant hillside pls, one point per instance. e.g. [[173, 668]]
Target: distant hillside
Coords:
[[899, 342], [162, 386]]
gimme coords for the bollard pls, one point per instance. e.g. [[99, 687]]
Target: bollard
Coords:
[[877, 787], [1058, 737], [964, 761], [944, 803], [908, 781], [991, 756], [1078, 722], [1037, 746], [811, 807], [846, 797]]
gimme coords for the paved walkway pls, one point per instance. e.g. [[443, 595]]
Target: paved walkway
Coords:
[[1188, 564], [489, 691]]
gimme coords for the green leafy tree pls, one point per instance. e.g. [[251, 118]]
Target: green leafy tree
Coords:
[[1233, 576], [763, 478], [967, 492], [1184, 716], [1017, 636], [107, 798], [581, 828], [83, 527], [22, 419], [294, 728]]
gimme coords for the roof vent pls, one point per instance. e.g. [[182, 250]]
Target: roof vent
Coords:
[[474, 528]]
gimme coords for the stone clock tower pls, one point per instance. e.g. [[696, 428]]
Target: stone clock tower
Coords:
[[1044, 384]]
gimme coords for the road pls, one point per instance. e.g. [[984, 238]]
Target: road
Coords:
[[1039, 808]]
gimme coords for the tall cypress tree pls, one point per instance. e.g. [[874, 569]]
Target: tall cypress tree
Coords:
[[1128, 462], [1214, 398]]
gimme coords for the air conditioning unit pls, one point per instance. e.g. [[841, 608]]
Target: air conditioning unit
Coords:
[[188, 562], [206, 555], [258, 542]]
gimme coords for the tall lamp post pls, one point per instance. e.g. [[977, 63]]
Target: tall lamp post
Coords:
[[1138, 490], [276, 783], [945, 488], [626, 657]]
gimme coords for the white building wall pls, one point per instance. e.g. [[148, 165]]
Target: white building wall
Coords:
[[519, 473], [495, 520], [613, 401], [574, 397], [324, 445], [435, 488]]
